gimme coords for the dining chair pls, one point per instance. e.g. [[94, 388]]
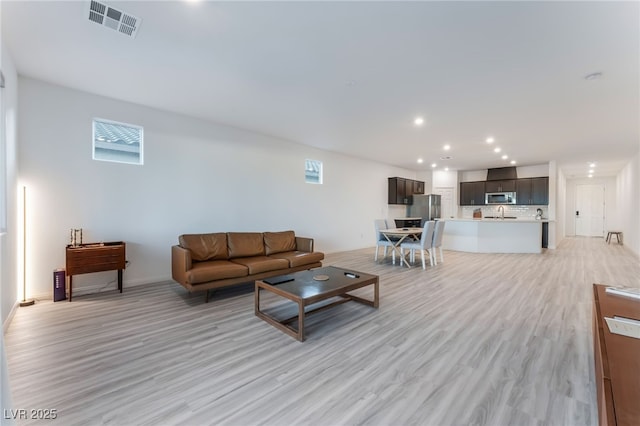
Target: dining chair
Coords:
[[381, 241], [424, 244], [437, 241]]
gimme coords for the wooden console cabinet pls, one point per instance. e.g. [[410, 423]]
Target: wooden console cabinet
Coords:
[[617, 360], [98, 257]]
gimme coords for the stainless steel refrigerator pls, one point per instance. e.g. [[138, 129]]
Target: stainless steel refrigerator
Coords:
[[425, 206]]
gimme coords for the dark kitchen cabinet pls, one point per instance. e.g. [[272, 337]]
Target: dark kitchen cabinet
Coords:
[[501, 185], [532, 191], [397, 191], [540, 190], [418, 187], [523, 191], [401, 190], [472, 193]]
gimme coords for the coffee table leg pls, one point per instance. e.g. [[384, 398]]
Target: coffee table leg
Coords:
[[301, 321], [376, 293], [256, 296]]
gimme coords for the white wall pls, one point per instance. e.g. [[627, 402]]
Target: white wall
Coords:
[[198, 177], [472, 175], [537, 170], [628, 198], [610, 200], [8, 265], [443, 179], [8, 155], [561, 210]]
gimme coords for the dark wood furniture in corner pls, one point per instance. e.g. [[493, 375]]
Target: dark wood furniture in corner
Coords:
[[98, 257], [617, 360]]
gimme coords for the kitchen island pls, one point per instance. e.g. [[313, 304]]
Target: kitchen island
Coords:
[[493, 235]]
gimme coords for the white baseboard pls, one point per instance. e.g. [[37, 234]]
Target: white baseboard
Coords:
[[100, 288], [12, 312]]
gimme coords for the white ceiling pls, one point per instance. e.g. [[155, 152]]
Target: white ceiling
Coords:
[[351, 76]]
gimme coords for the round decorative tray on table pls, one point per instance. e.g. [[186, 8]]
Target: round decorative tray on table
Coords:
[[321, 277]]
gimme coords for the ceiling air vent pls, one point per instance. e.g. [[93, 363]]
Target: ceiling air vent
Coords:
[[115, 19]]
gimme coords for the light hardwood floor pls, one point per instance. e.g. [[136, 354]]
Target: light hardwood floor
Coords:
[[480, 339]]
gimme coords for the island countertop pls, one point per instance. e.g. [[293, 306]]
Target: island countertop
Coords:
[[484, 219], [494, 235]]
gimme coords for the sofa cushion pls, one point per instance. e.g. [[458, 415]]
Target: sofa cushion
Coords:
[[278, 242], [205, 246], [299, 258], [202, 272], [245, 244], [258, 264]]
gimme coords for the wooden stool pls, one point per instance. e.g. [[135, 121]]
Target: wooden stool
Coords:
[[618, 235]]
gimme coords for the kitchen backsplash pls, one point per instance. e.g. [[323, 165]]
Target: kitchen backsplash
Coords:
[[522, 212]]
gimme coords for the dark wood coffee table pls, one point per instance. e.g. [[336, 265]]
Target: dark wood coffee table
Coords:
[[303, 289]]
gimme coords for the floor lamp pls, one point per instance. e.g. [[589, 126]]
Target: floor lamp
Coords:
[[25, 301]]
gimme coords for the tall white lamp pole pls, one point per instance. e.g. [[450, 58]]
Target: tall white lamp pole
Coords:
[[25, 301]]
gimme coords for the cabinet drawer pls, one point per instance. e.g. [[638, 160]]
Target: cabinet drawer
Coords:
[[93, 267], [89, 253], [95, 258]]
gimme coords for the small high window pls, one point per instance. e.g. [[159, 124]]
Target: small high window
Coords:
[[313, 171], [117, 142]]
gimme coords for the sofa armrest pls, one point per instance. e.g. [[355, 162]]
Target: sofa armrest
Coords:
[[180, 263], [304, 244]]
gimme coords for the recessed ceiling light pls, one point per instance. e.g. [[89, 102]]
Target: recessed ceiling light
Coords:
[[446, 169], [592, 165], [513, 161], [590, 176], [434, 165], [497, 149], [593, 76], [490, 140], [419, 121], [590, 170], [504, 157], [446, 147], [420, 160]]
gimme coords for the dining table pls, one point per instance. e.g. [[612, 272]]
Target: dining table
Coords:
[[397, 235]]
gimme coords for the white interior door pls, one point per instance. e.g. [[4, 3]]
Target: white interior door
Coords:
[[590, 210], [446, 202]]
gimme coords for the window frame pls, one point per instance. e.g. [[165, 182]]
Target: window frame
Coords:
[[139, 128], [319, 164]]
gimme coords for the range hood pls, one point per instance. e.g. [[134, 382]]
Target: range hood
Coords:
[[502, 173]]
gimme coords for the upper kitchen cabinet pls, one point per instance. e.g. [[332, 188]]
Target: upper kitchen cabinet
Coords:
[[501, 185], [472, 193], [418, 187], [540, 189], [401, 190], [532, 191]]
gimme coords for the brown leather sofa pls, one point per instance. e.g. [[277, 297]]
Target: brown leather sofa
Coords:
[[205, 261]]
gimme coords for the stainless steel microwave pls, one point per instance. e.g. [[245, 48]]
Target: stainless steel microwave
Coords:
[[500, 198]]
